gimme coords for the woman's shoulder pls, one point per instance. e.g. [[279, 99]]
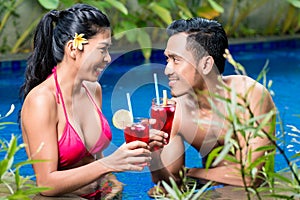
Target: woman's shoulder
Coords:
[[92, 85], [94, 88], [40, 96]]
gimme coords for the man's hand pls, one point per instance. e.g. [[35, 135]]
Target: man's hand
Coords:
[[157, 139]]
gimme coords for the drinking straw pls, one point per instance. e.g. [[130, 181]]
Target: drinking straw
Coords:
[[129, 105], [165, 97], [156, 88]]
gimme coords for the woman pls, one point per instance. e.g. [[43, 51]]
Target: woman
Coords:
[[61, 117]]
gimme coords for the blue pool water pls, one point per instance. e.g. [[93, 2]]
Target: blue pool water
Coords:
[[129, 73]]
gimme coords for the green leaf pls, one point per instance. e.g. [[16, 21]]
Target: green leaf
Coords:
[[17, 179], [258, 161], [188, 194], [265, 148], [127, 25], [202, 190], [118, 5], [216, 6], [126, 28], [270, 162], [18, 195], [131, 35], [3, 167], [118, 32], [280, 177], [182, 15], [295, 155], [101, 5], [228, 136], [215, 108], [67, 3], [12, 147], [212, 155], [231, 158], [265, 121], [163, 13], [11, 110], [251, 190], [295, 3], [29, 162], [7, 123], [175, 187], [171, 192], [222, 155], [49, 4], [185, 10], [249, 155], [144, 41], [35, 190]]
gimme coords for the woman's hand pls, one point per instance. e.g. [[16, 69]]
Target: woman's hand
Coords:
[[133, 156], [157, 139]]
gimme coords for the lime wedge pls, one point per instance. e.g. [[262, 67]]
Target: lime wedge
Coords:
[[121, 119]]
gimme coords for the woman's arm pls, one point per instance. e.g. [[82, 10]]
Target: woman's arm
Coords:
[[39, 127]]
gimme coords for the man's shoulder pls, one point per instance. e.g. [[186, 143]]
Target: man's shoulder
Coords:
[[237, 77], [241, 81]]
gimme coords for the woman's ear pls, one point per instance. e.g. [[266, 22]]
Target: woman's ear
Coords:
[[70, 50], [207, 63]]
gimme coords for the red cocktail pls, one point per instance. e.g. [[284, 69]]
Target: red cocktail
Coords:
[[164, 115], [138, 130]]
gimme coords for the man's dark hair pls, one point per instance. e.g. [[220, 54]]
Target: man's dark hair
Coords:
[[203, 34]]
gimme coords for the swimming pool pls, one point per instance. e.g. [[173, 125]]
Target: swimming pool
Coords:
[[129, 73]]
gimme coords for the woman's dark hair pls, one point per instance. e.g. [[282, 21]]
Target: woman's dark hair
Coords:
[[204, 34], [54, 30]]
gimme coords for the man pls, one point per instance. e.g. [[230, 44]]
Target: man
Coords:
[[195, 63]]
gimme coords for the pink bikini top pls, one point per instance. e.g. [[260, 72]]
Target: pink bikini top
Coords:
[[70, 146]]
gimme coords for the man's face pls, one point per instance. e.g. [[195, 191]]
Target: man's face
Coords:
[[181, 66]]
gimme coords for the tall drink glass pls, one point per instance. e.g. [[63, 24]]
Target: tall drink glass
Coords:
[[138, 130], [164, 115]]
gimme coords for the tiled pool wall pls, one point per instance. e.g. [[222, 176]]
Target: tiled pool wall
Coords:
[[13, 65], [157, 55]]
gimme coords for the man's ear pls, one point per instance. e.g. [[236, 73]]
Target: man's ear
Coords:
[[70, 50], [207, 63]]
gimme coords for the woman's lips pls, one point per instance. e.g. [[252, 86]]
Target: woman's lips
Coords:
[[99, 70]]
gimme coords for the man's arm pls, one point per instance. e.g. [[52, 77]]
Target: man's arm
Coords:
[[168, 161], [229, 173]]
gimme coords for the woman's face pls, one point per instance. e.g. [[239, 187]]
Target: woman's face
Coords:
[[95, 56]]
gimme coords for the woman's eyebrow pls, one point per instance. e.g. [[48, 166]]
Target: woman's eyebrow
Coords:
[[105, 43]]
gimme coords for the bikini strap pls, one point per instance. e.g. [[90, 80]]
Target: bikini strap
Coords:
[[59, 93], [91, 98]]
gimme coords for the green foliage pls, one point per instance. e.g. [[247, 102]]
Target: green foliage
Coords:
[[49, 4], [285, 184], [187, 191], [238, 12], [7, 9], [13, 185], [126, 15]]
